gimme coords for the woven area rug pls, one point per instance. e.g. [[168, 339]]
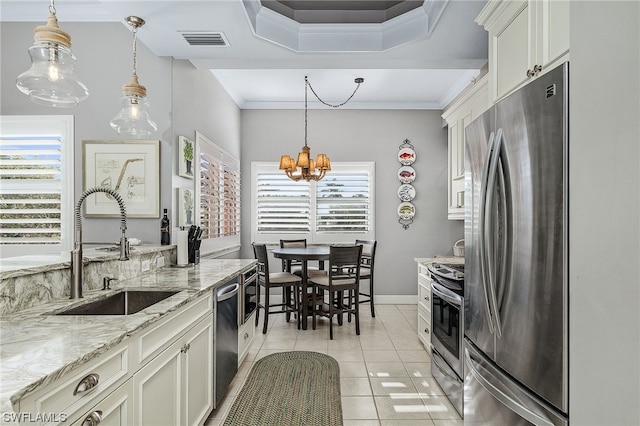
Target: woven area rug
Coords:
[[289, 388]]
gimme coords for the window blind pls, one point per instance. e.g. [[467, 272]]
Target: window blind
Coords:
[[31, 190], [335, 209], [219, 192]]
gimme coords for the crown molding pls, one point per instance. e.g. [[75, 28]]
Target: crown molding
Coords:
[[279, 29]]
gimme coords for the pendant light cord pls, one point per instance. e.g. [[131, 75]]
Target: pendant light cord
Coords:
[[358, 81], [307, 84], [135, 50]]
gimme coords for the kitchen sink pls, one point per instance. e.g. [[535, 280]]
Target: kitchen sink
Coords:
[[126, 302]]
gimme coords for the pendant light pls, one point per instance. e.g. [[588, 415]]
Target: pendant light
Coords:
[[310, 170], [133, 119], [51, 79]]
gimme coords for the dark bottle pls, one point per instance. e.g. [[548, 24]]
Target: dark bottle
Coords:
[[165, 233]]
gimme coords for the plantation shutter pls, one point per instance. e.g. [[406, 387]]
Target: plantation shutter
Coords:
[[31, 190], [219, 193], [342, 202], [282, 205]]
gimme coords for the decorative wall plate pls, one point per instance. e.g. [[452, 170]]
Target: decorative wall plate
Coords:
[[406, 192], [406, 211], [406, 174], [406, 156]]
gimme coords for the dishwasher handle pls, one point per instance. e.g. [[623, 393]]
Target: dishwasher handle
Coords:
[[227, 292]]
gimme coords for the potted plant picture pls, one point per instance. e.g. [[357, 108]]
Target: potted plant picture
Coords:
[[185, 163], [188, 205]]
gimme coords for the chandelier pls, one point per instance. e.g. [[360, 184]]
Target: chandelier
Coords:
[[51, 79], [310, 170], [133, 119]]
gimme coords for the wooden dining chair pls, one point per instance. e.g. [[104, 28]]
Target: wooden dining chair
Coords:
[[366, 271], [295, 266], [343, 278], [286, 281]]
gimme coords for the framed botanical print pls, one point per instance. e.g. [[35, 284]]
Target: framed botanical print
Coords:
[[185, 157], [131, 168]]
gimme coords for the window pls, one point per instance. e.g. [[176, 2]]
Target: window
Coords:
[[219, 197], [36, 190], [338, 208]]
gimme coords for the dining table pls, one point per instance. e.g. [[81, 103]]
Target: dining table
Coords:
[[304, 255]]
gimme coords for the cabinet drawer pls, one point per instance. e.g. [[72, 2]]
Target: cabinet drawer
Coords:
[[153, 340], [93, 381], [246, 333], [424, 327], [424, 297]]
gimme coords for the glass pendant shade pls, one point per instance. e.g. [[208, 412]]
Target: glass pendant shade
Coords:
[[51, 79], [133, 119]]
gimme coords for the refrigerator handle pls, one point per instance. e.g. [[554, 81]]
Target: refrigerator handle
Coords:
[[489, 238], [511, 400], [481, 231], [501, 264]]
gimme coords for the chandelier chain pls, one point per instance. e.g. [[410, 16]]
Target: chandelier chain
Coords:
[[52, 8], [328, 104]]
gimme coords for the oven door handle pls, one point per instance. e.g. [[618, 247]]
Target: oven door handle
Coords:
[[446, 295]]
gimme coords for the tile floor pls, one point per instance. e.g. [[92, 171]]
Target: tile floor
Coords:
[[385, 373]]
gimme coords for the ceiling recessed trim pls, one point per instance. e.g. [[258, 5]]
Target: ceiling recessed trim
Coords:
[[279, 29]]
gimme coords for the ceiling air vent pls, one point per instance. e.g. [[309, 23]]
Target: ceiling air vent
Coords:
[[205, 39]]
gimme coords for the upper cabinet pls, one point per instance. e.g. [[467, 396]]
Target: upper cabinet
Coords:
[[526, 38], [462, 111]]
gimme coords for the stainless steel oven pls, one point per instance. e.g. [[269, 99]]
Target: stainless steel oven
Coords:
[[447, 325], [248, 301]]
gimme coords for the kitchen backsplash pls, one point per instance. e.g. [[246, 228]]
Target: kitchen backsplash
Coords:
[[22, 288]]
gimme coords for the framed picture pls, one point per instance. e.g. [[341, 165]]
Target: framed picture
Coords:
[[185, 207], [131, 168], [185, 157]]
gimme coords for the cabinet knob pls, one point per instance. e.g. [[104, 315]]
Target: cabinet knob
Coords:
[[246, 336], [185, 348], [93, 419], [532, 72], [426, 298], [87, 383], [426, 330]]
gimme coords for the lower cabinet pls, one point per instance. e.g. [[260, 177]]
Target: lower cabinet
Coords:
[[246, 334], [176, 387], [424, 306], [161, 376], [115, 410]]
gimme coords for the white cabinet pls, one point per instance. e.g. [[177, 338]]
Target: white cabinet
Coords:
[[115, 410], [462, 111], [162, 375], [246, 334], [526, 38], [176, 387], [424, 307], [75, 393]]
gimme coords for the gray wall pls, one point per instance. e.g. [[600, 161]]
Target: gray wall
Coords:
[[604, 252], [182, 100], [367, 135]]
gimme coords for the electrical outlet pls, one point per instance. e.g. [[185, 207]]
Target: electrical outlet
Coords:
[[146, 265], [160, 262]]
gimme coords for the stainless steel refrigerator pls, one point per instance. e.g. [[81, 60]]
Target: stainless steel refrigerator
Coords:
[[516, 233]]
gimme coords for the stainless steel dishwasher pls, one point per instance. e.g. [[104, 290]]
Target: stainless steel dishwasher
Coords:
[[225, 341]]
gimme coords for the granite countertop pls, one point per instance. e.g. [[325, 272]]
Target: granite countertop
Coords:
[[440, 259], [24, 265], [37, 348]]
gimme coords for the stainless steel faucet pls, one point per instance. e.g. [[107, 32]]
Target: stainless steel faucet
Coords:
[[76, 253]]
